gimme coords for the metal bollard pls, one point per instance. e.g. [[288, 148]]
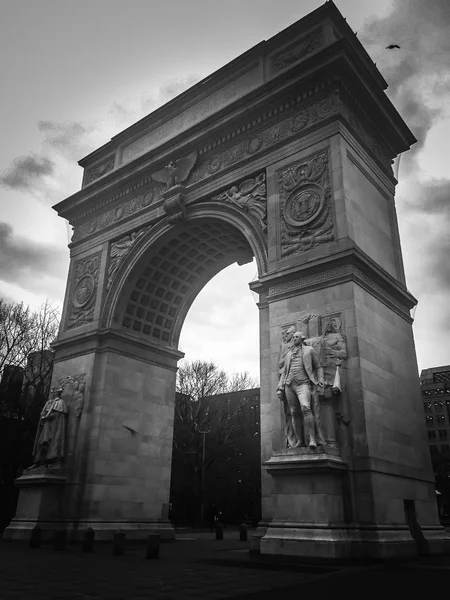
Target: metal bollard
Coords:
[[118, 543], [152, 546], [35, 537], [219, 531], [87, 544], [60, 540], [243, 535]]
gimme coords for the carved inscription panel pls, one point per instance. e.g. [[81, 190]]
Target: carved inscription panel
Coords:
[[243, 84]]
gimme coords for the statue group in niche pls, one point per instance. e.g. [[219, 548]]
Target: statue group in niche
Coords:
[[309, 370], [50, 442]]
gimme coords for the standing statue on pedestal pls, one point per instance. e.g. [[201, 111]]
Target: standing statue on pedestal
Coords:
[[49, 446], [301, 380], [286, 345]]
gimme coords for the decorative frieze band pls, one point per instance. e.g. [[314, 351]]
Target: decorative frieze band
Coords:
[[310, 280], [252, 141], [128, 208], [337, 275]]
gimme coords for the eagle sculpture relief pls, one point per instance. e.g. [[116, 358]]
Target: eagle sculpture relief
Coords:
[[176, 171]]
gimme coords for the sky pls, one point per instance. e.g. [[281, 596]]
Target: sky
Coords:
[[76, 73]]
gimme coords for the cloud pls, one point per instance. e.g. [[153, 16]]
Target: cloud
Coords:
[[129, 110], [26, 172], [71, 139], [418, 73], [433, 198], [31, 265], [225, 310], [175, 87]]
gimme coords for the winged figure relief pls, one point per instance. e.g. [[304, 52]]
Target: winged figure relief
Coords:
[[250, 196], [176, 172]]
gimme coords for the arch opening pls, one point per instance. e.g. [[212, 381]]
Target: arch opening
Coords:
[[162, 285]]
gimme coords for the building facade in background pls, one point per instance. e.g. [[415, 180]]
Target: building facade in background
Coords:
[[435, 383], [231, 458], [216, 462]]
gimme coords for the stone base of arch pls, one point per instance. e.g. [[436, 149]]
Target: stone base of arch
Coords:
[[312, 515], [119, 447]]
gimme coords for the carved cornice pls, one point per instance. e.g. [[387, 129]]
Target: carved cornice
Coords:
[[134, 205], [152, 193], [289, 119], [340, 267], [110, 340]]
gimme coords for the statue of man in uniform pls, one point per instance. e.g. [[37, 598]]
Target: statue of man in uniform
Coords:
[[301, 380]]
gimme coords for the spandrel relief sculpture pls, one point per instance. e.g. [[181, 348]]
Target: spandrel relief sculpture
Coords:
[[249, 196], [311, 356], [120, 249]]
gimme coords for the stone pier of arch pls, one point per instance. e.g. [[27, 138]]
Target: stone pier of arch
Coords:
[[283, 155]]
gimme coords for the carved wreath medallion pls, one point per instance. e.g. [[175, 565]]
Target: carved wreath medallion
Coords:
[[84, 291], [305, 204]]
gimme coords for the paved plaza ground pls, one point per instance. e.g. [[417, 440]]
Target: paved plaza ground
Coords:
[[199, 566]]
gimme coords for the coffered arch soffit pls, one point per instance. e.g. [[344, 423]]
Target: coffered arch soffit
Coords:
[[168, 267]]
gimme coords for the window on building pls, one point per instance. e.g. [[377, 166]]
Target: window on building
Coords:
[[440, 419], [431, 434], [429, 421], [438, 406], [427, 407], [445, 448], [443, 434], [441, 377], [434, 450], [255, 414]]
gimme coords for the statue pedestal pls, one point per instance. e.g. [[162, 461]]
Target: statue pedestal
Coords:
[[312, 514], [40, 503], [309, 507]]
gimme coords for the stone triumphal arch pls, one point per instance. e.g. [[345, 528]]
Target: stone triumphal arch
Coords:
[[285, 155]]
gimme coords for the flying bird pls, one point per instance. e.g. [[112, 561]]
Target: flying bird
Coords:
[[392, 46]]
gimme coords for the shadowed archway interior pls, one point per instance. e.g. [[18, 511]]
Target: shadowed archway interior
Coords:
[[163, 284]]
